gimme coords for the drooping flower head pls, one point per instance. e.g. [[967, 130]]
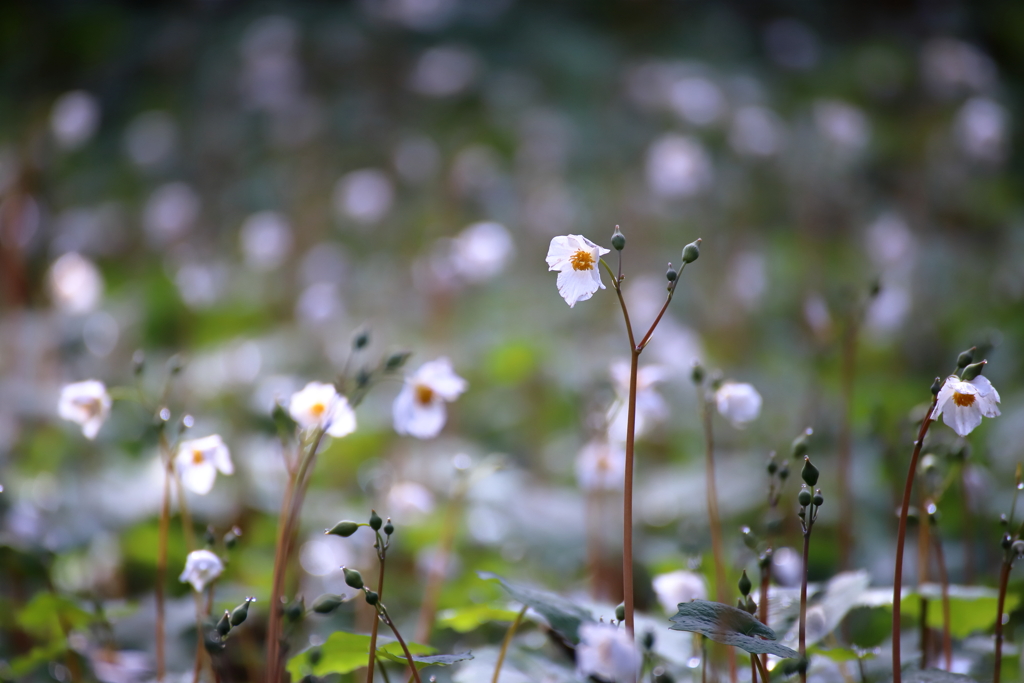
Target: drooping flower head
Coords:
[[201, 567], [198, 460], [577, 261], [607, 652], [86, 403], [677, 587], [962, 404], [419, 408], [738, 402], [318, 405]]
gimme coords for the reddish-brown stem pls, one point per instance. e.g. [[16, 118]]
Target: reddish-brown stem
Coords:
[[947, 638], [161, 573], [627, 498], [901, 536], [274, 617], [803, 598], [714, 522], [765, 678], [923, 553], [766, 579], [405, 648], [1004, 578], [664, 307], [376, 622]]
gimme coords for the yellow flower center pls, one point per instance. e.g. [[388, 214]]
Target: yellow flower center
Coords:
[[582, 260], [197, 457], [963, 400], [424, 394], [90, 405], [318, 409]]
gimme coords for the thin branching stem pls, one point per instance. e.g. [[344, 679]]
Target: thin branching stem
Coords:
[[765, 678], [506, 642], [1004, 578], [382, 556], [807, 522], [405, 648], [627, 498]]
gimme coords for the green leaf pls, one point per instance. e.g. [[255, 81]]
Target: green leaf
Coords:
[[423, 661], [841, 654], [935, 676], [971, 608], [344, 652], [48, 616], [730, 626], [471, 617], [563, 616]]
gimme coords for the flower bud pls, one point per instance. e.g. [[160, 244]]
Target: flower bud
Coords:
[[804, 497], [973, 370], [648, 640], [396, 360], [745, 584], [344, 528], [327, 603], [375, 521], [809, 473], [295, 609], [765, 560], [1003, 521], [620, 612], [361, 339], [1006, 542], [353, 578], [965, 358], [784, 472], [210, 536], [800, 443], [175, 364], [231, 537], [691, 251], [937, 386], [389, 528], [224, 625], [314, 655], [138, 362], [618, 239], [750, 539], [751, 606], [773, 466], [697, 373], [671, 274], [239, 614], [818, 498], [212, 641], [363, 377], [371, 597]]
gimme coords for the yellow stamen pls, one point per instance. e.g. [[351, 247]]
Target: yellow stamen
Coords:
[[197, 457], [318, 409], [963, 400], [582, 260], [424, 394]]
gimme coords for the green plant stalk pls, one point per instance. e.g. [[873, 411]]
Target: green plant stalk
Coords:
[[803, 595], [765, 678], [382, 556], [897, 589], [506, 642], [1004, 578], [766, 579]]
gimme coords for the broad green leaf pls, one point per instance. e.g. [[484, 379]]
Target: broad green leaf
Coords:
[[343, 653], [841, 654], [730, 626], [423, 661], [971, 608], [37, 656], [471, 617], [935, 676], [563, 616], [49, 616]]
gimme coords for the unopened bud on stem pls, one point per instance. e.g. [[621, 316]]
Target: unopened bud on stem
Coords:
[[618, 239], [691, 252], [965, 358], [973, 370]]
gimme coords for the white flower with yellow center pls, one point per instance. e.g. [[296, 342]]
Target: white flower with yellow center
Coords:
[[198, 461], [962, 404], [86, 403], [201, 567], [419, 408], [608, 653], [318, 405], [577, 261], [738, 402], [600, 466], [677, 587]]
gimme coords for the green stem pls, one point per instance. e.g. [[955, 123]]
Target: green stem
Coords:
[[506, 642], [627, 498], [1004, 578], [803, 596], [765, 678], [408, 655], [376, 622]]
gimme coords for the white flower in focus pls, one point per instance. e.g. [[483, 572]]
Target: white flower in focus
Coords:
[[607, 652], [677, 587], [738, 402], [576, 260], [600, 466], [201, 567], [198, 460], [319, 405], [419, 409], [963, 404], [76, 283], [86, 403]]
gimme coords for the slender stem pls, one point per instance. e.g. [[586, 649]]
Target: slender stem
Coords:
[[1004, 577], [923, 546], [848, 374], [897, 589], [405, 648], [754, 661], [506, 642], [947, 639], [376, 622], [766, 579], [277, 583], [161, 573], [714, 522], [803, 596], [765, 678], [627, 498]]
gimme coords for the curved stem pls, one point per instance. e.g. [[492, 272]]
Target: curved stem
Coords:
[[765, 678], [1004, 577], [376, 622], [766, 579], [405, 648], [627, 498], [506, 642], [897, 589]]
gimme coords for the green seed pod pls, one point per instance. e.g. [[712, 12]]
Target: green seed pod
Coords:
[[314, 655], [691, 251], [231, 537], [295, 610], [372, 598], [618, 240], [965, 358], [671, 274], [353, 578], [745, 584], [750, 539], [784, 472], [648, 640], [809, 473], [818, 499], [620, 612], [375, 521], [937, 386], [361, 339], [239, 614], [751, 606], [773, 466], [697, 373], [1007, 541], [973, 370], [344, 528], [804, 497], [224, 625], [210, 537], [800, 443], [396, 360], [327, 603], [389, 528]]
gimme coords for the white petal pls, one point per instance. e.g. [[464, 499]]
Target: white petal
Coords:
[[944, 396], [441, 378], [198, 478], [222, 460], [423, 422], [559, 251], [576, 285], [90, 428], [342, 418], [963, 419], [985, 388]]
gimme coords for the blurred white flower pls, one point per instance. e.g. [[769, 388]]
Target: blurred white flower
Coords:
[[201, 567], [364, 196], [677, 587], [120, 666], [198, 460], [417, 159], [982, 127], [600, 466], [419, 408], [678, 166], [607, 652], [76, 283], [266, 240], [697, 99], [842, 124], [738, 402], [445, 70], [170, 212], [74, 118], [963, 404], [319, 405], [650, 406], [408, 500], [951, 67], [576, 260], [86, 403], [150, 138], [481, 251], [756, 131]]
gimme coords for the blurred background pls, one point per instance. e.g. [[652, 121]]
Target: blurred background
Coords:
[[248, 184]]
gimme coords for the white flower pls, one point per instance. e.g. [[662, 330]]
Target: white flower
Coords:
[[76, 283], [677, 587], [576, 260], [600, 466], [86, 403], [607, 652], [198, 460], [738, 402], [419, 408], [201, 567], [963, 404], [319, 405]]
